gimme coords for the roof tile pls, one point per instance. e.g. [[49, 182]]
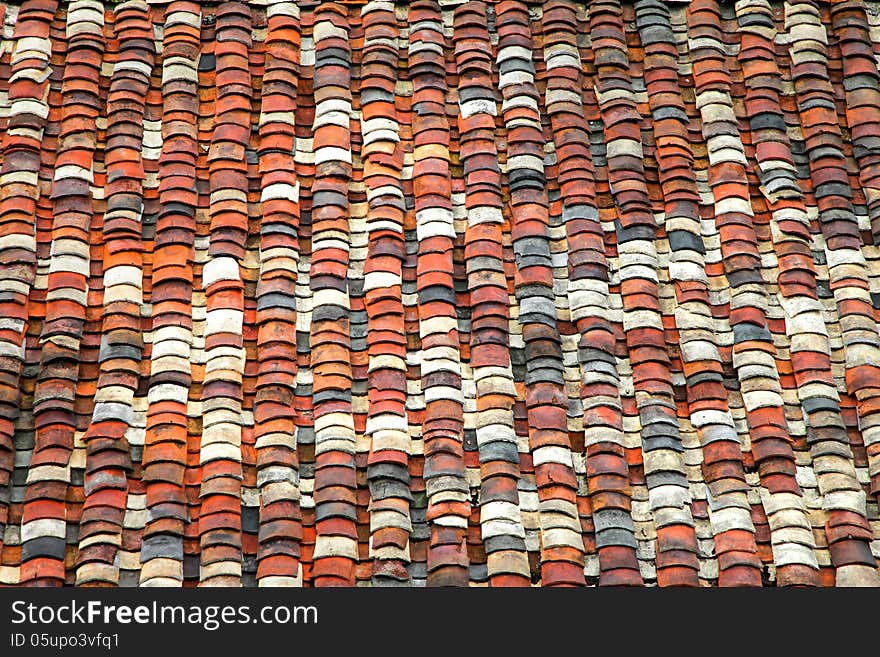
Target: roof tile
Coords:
[[439, 293]]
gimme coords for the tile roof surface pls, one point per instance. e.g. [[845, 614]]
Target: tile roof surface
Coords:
[[440, 293]]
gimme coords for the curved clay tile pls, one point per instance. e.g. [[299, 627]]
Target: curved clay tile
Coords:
[[443, 424], [275, 431], [164, 454], [335, 553], [607, 470], [390, 444], [108, 452], [661, 443], [500, 517], [771, 444], [709, 413], [562, 547], [844, 497], [437, 293]]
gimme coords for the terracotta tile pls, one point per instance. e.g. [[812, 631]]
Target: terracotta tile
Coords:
[[337, 294]]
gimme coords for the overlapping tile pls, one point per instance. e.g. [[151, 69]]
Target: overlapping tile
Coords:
[[43, 526], [165, 442], [335, 553], [842, 493], [390, 444], [607, 468], [669, 496], [797, 285], [275, 427], [108, 452], [501, 527], [439, 293], [448, 495], [709, 413]]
